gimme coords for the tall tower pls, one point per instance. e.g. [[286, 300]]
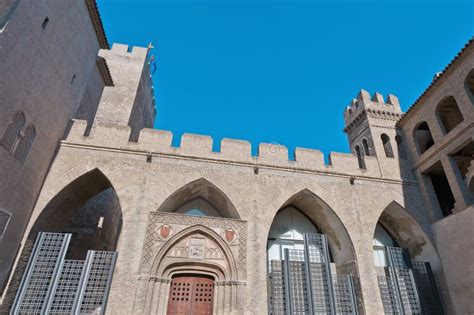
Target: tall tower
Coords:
[[370, 125]]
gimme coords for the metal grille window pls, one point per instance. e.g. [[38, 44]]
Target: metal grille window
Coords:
[[302, 283], [277, 288], [66, 288], [96, 282], [408, 287], [344, 295], [43, 267], [54, 285]]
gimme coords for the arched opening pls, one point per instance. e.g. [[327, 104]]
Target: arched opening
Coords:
[[360, 157], [89, 209], [200, 198], [195, 258], [422, 137], [469, 85], [404, 258], [24, 144], [387, 145], [12, 134], [365, 144], [306, 242], [449, 114], [402, 153]]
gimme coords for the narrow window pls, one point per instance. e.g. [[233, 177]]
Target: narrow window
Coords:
[[4, 219], [365, 144], [24, 145], [442, 189], [12, 134], [387, 146], [449, 114], [469, 85], [402, 154], [360, 157], [45, 22], [422, 137]]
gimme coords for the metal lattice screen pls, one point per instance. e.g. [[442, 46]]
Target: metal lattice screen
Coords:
[[52, 284], [408, 286], [302, 283]]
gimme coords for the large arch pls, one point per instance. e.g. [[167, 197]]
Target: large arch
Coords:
[[89, 208], [203, 194], [328, 223], [407, 232], [395, 232]]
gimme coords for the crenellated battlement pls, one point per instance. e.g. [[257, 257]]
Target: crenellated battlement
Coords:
[[376, 105], [125, 50], [270, 155]]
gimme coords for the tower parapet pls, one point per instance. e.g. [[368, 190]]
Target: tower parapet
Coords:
[[364, 104]]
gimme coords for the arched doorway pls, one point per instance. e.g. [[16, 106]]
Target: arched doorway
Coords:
[[311, 260], [194, 241], [404, 257]]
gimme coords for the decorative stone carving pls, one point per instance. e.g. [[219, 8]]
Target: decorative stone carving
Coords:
[[233, 231]]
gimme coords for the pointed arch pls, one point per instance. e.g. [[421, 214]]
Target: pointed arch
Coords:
[[204, 193], [161, 267], [89, 208], [327, 222], [407, 233]]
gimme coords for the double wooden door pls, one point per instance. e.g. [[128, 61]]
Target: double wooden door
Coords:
[[191, 295]]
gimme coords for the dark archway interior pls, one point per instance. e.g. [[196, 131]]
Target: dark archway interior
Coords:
[[89, 209], [449, 114], [422, 137]]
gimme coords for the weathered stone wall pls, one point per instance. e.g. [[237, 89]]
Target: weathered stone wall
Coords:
[[44, 69], [453, 234], [142, 187]]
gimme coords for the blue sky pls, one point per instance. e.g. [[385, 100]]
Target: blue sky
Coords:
[[283, 71]]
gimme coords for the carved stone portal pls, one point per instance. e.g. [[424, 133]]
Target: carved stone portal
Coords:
[[213, 247]]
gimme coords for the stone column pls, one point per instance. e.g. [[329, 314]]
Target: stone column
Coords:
[[461, 194]]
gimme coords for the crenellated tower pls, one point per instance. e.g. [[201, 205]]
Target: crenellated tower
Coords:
[[370, 125], [130, 101]]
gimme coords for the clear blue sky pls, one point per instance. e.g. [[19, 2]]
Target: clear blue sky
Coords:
[[283, 71]]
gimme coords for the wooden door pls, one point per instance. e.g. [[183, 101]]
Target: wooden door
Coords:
[[191, 295]]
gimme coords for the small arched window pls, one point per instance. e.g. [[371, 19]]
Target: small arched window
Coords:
[[422, 137], [360, 157], [402, 154], [387, 145], [449, 114], [365, 144], [24, 145], [12, 134], [469, 85]]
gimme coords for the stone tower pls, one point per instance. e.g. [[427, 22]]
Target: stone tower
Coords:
[[370, 126]]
